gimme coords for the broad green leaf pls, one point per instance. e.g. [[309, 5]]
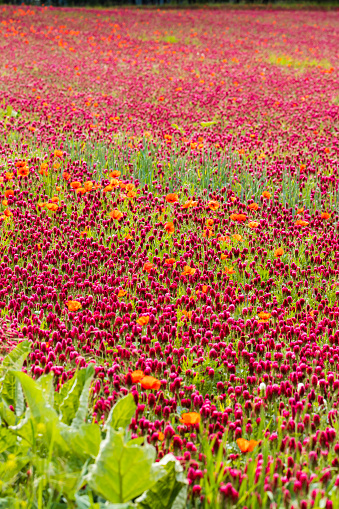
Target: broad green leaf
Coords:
[[15, 359], [82, 409], [68, 398], [122, 471], [208, 124], [46, 384], [7, 416], [7, 439], [10, 468], [121, 414], [168, 490], [12, 393], [41, 411], [84, 441]]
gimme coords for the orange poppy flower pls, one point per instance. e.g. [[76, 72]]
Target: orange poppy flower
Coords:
[[9, 192], [23, 171], [170, 261], [213, 205], [238, 217], [20, 164], [143, 320], [169, 227], [300, 211], [187, 204], [115, 174], [233, 198], [229, 271], [209, 223], [264, 316], [148, 267], [9, 175], [5, 203], [108, 188], [224, 238], [56, 165], [7, 213], [131, 194], [190, 418], [325, 215], [237, 237], [161, 436], [253, 224], [76, 185], [58, 153], [116, 183], [52, 206], [41, 205], [187, 314], [224, 256], [300, 222], [266, 194], [149, 383], [116, 214], [66, 175], [188, 271], [246, 445], [88, 185], [278, 252], [43, 169], [121, 293], [204, 288], [302, 167], [57, 188], [172, 198], [253, 206], [55, 199], [137, 376], [73, 305]]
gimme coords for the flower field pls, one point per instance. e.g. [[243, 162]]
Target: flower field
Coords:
[[169, 258]]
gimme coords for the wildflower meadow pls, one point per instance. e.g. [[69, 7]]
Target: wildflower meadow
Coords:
[[169, 258]]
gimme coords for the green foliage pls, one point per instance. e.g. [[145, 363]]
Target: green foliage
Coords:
[[122, 413], [122, 471], [53, 456], [170, 490]]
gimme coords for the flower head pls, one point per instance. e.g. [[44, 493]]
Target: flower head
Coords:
[[73, 305]]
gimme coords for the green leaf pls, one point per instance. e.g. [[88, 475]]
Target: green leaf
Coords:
[[15, 359], [7, 416], [208, 124], [68, 398], [12, 393], [122, 471], [84, 441], [7, 439], [121, 414], [41, 412], [46, 384], [169, 490], [82, 409]]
